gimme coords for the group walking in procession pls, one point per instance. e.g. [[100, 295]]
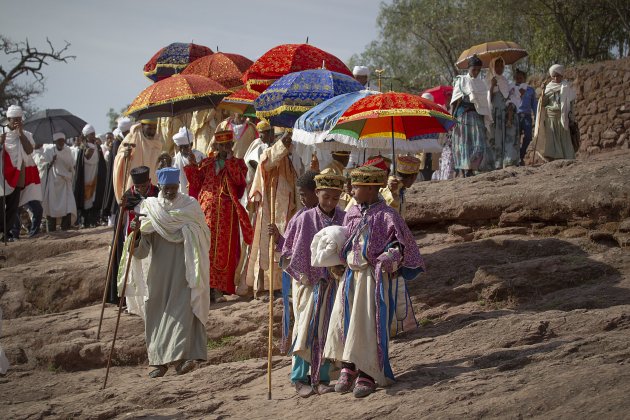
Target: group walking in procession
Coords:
[[280, 180]]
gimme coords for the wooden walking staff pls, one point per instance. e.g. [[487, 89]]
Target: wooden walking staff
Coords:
[[112, 252], [132, 248], [271, 278]]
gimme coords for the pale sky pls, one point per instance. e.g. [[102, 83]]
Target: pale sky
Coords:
[[113, 39]]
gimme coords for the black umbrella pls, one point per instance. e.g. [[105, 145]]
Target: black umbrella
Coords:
[[45, 123]]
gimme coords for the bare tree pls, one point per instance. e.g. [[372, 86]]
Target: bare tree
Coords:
[[23, 61]]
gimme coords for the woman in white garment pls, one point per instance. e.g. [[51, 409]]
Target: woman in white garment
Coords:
[[552, 136], [504, 100]]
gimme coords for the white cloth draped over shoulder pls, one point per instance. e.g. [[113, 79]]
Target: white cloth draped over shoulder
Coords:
[[17, 156], [179, 221], [327, 245], [476, 90]]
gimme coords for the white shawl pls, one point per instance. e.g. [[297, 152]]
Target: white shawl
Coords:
[[476, 90], [508, 90], [327, 245], [179, 221]]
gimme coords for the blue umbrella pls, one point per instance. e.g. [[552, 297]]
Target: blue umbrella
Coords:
[[287, 98], [313, 126]]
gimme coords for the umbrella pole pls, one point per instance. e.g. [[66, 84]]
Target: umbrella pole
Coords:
[[112, 253], [132, 248], [4, 196], [271, 278], [393, 147]]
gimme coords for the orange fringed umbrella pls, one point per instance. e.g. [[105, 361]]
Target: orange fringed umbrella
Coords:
[[176, 95], [225, 68], [511, 52], [289, 58]]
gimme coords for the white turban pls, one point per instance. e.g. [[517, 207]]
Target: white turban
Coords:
[[556, 68], [59, 136], [428, 96], [117, 132], [88, 129], [124, 124], [182, 137], [360, 71], [15, 111]]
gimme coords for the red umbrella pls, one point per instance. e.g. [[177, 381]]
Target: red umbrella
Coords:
[[176, 95], [240, 101], [289, 58], [224, 68], [173, 59], [441, 94]]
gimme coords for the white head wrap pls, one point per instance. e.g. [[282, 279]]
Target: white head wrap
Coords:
[[183, 137], [124, 124], [59, 136], [360, 71], [15, 111], [88, 129], [556, 68], [428, 96], [117, 132]]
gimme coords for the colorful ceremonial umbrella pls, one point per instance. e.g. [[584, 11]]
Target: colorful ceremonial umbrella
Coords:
[[289, 58], [391, 120], [241, 101], [510, 51], [290, 96], [44, 124], [312, 127], [441, 94], [176, 95], [225, 68], [173, 59]]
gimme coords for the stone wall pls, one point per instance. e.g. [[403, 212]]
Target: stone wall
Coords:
[[602, 106]]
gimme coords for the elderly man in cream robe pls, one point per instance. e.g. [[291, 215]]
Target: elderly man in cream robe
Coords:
[[58, 198], [184, 140], [141, 147], [274, 178], [171, 270]]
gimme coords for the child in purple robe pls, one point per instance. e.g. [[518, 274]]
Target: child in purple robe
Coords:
[[379, 249], [313, 289]]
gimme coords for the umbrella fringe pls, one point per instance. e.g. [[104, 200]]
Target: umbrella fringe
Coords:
[[175, 100]]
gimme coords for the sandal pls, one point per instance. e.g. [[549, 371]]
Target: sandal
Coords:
[[304, 390], [322, 388], [185, 367], [158, 372], [364, 387], [345, 383]]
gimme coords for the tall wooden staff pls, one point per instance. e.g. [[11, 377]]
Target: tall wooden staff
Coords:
[[271, 278], [132, 248], [112, 252]]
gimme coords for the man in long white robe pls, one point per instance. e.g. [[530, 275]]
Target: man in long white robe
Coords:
[[58, 198], [174, 242]]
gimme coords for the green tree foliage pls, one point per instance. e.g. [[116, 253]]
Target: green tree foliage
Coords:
[[420, 40]]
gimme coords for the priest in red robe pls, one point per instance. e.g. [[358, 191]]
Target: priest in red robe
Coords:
[[220, 180]]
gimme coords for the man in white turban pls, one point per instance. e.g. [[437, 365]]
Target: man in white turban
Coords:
[[57, 178], [18, 145], [184, 140], [91, 173], [361, 74]]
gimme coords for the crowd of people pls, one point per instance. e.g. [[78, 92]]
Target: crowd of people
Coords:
[[498, 118], [194, 226]]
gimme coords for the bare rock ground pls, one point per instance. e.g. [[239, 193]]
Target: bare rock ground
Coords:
[[524, 312]]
